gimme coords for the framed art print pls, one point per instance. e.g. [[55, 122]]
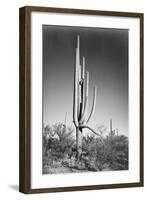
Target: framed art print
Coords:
[[81, 99]]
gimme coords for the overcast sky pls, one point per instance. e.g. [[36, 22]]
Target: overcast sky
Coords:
[[106, 53]]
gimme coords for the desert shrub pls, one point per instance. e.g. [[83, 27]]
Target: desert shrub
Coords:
[[117, 148], [59, 147], [57, 140], [111, 154], [94, 152]]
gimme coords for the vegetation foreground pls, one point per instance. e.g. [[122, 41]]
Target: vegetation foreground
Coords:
[[98, 153]]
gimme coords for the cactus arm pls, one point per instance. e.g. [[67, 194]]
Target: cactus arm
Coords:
[[78, 67], [93, 105], [79, 88], [83, 92], [83, 82], [83, 69], [88, 127], [81, 100], [91, 129], [84, 113], [75, 96], [79, 76], [87, 83], [78, 42]]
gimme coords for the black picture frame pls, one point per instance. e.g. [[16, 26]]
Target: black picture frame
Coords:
[[25, 98]]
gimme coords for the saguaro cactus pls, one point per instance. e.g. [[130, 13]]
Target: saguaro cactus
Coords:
[[117, 131], [80, 99], [111, 131]]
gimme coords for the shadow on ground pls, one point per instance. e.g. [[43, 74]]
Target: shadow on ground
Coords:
[[14, 187]]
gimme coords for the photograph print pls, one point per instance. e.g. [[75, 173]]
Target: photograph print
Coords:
[[85, 99]]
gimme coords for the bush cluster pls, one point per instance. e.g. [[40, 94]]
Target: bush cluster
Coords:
[[59, 149]]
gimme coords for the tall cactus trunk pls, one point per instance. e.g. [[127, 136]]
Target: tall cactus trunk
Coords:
[[79, 137], [80, 99]]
